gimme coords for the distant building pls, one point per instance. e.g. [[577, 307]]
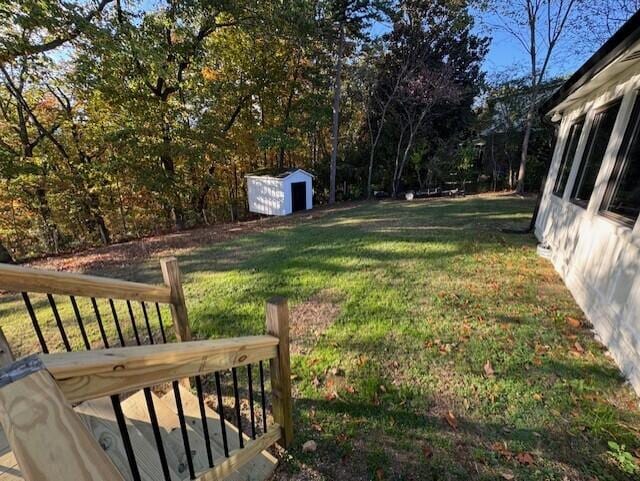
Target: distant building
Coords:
[[279, 191], [591, 201]]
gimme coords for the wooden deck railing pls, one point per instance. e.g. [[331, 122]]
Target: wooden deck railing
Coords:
[[36, 402], [28, 281]]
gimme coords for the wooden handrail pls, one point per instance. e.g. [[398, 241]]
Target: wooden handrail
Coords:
[[27, 279], [88, 375]]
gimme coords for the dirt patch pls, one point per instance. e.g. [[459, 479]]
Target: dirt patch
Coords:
[[163, 245], [305, 473], [310, 319]]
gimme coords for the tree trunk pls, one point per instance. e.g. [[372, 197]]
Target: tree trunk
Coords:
[[51, 233], [5, 255], [525, 149], [369, 178], [400, 170], [337, 86], [397, 161]]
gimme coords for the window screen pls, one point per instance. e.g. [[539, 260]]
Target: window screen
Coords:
[[622, 197], [573, 137], [601, 129]]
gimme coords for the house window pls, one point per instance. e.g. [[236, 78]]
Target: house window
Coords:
[[599, 135], [622, 197], [567, 156]]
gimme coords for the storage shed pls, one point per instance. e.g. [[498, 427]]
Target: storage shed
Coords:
[[279, 191]]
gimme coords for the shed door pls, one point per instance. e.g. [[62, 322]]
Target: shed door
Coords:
[[298, 196]]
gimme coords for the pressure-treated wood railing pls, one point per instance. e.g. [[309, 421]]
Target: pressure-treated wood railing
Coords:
[[37, 394], [27, 281]]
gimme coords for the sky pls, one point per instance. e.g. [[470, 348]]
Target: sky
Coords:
[[507, 56]]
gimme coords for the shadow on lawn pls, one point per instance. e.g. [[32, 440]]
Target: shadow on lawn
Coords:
[[471, 450]]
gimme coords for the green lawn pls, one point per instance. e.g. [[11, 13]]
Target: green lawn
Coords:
[[449, 351]]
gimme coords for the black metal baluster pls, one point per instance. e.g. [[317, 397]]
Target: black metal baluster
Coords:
[[223, 425], [183, 428], [263, 399], [164, 338], [56, 315], [133, 322], [203, 417], [83, 333], [153, 418], [236, 394], [126, 440], [146, 321], [103, 334], [252, 414], [116, 322], [34, 321]]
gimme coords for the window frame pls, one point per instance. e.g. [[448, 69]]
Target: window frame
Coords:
[[564, 160], [588, 148], [632, 128]]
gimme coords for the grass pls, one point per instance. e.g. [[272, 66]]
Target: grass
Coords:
[[454, 354]]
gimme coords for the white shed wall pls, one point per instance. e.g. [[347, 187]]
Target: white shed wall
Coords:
[[266, 196], [598, 258]]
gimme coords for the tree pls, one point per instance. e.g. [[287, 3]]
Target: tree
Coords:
[[602, 18], [538, 27], [27, 132], [52, 23], [380, 93], [348, 19], [437, 59]]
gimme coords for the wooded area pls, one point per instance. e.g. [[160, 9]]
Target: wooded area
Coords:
[[123, 119]]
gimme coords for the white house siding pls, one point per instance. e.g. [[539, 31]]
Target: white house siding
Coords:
[[266, 196], [598, 258]]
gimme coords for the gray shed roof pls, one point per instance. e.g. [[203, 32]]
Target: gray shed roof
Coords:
[[277, 173]]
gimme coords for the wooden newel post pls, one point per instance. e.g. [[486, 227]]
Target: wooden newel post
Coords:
[[46, 435], [6, 356], [278, 326], [171, 276]]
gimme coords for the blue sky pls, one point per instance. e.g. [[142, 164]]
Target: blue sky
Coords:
[[507, 56]]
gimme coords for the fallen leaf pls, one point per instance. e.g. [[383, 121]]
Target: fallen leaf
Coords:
[[537, 397], [309, 447], [488, 369], [362, 360], [316, 427], [382, 388], [427, 451], [578, 347], [330, 396], [379, 474], [502, 449], [507, 476], [573, 322], [525, 458], [451, 420]]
